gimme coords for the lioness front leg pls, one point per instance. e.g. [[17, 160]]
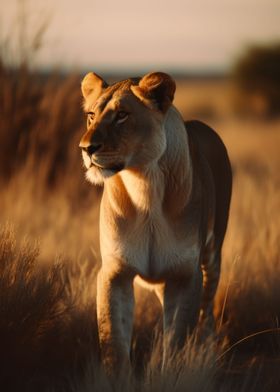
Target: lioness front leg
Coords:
[[181, 305], [115, 303]]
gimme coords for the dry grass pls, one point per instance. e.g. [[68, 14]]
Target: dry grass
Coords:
[[48, 328]]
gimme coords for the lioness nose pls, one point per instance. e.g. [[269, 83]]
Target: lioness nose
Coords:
[[92, 148]]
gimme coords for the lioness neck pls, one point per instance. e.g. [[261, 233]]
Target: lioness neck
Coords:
[[152, 189]]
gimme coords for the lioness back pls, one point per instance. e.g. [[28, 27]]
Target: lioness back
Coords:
[[213, 149]]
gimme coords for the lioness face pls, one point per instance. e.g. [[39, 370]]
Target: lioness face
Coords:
[[125, 123]]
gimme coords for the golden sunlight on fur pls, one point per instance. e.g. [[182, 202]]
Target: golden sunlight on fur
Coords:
[[164, 209]]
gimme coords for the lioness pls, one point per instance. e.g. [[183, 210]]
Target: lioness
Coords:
[[164, 210]]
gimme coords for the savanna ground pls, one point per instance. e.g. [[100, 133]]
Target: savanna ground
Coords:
[[49, 251]]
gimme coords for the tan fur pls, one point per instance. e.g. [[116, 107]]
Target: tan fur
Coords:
[[164, 209]]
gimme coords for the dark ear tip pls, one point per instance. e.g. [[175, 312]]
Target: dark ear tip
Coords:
[[155, 79], [160, 76]]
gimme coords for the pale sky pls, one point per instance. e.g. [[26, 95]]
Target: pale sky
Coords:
[[149, 34]]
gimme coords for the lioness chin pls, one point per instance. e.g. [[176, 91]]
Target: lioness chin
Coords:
[[164, 209]]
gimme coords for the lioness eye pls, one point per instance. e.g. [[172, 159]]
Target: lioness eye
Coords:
[[121, 117]]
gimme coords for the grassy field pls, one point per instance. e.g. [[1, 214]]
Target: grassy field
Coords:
[[49, 251]]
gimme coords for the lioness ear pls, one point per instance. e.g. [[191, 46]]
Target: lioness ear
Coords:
[[92, 84], [156, 90]]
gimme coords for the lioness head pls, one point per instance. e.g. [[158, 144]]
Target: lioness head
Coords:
[[124, 123]]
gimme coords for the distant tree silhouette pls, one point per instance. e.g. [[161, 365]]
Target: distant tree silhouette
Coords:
[[257, 74]]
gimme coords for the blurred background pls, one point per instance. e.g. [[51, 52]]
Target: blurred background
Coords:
[[225, 58], [122, 36]]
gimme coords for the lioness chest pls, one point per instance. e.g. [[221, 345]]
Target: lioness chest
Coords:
[[164, 248], [151, 246]]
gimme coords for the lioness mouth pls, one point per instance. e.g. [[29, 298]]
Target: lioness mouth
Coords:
[[114, 168]]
